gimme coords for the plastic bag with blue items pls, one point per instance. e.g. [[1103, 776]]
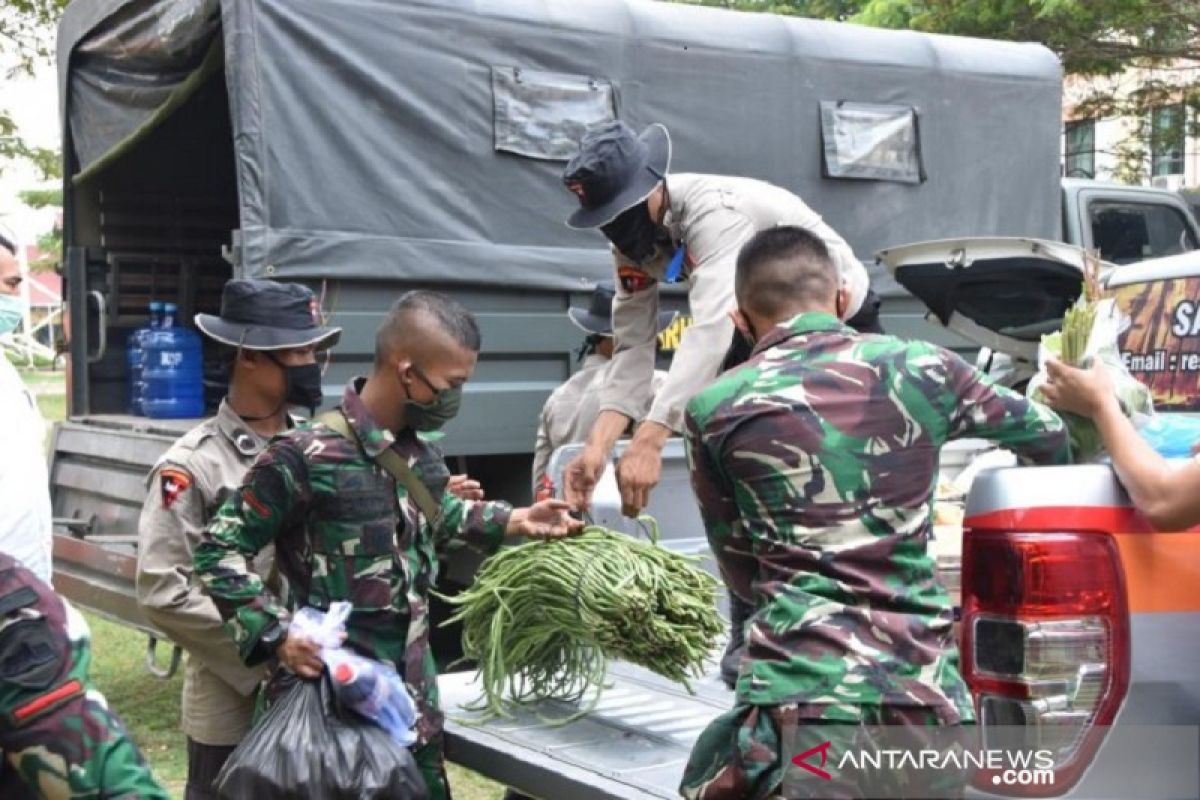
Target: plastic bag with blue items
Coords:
[[368, 687], [1172, 435]]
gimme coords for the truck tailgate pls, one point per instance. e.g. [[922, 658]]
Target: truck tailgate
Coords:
[[634, 744]]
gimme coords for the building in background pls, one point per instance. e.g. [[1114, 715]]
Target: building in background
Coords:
[[1159, 147]]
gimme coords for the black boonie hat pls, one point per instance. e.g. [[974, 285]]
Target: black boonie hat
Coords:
[[615, 169], [597, 317], [265, 315]]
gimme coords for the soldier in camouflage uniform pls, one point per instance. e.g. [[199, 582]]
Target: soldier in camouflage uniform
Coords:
[[815, 464], [345, 529], [58, 737]]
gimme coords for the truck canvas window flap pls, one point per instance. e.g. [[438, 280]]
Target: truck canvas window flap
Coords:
[[544, 114], [870, 141]]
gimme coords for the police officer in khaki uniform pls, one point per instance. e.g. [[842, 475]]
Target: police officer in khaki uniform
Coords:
[[571, 409], [273, 333], [663, 229]]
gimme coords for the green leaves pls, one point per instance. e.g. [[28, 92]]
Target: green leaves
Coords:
[[26, 39]]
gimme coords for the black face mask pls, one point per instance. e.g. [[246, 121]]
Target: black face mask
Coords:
[[303, 384], [635, 234]]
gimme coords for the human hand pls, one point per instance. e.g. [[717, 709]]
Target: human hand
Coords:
[[582, 475], [548, 519], [638, 473], [1078, 391], [464, 488], [301, 656]]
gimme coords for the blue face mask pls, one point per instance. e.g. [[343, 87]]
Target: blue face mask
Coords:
[[12, 311]]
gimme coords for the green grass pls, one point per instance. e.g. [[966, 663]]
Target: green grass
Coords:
[[150, 708], [53, 406], [37, 378]]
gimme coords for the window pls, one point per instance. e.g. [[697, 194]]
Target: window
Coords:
[[1126, 232], [1080, 149], [872, 142], [544, 114], [1167, 136]]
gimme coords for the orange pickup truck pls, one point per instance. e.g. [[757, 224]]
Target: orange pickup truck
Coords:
[[1078, 618]]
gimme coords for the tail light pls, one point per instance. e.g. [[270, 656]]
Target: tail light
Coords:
[[1045, 643]]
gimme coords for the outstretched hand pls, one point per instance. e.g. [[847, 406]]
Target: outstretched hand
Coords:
[[548, 519]]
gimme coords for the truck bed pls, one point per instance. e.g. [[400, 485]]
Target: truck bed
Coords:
[[634, 744]]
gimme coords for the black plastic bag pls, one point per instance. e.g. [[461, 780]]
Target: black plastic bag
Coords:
[[307, 746]]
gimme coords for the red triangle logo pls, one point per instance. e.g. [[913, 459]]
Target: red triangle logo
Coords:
[[802, 760]]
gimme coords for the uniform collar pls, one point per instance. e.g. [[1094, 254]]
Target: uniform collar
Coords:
[[239, 434], [676, 186], [594, 360], [373, 437], [800, 325]]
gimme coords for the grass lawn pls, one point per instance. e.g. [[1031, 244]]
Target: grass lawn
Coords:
[[150, 706]]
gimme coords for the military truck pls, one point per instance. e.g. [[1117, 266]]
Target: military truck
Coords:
[[365, 149]]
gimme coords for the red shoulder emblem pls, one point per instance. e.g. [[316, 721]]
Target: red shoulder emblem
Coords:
[[173, 482], [634, 280]]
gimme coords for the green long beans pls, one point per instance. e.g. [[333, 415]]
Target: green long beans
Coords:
[[543, 619]]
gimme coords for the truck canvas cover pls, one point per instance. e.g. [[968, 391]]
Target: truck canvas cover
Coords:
[[424, 141]]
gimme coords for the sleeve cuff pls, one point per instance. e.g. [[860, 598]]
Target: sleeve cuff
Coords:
[[494, 530], [670, 417], [256, 648]]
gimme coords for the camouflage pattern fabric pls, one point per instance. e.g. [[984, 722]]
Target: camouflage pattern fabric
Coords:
[[58, 736], [431, 759], [746, 754], [815, 465], [344, 530]]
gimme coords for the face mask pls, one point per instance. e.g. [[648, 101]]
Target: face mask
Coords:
[[635, 235], [303, 384], [431, 416], [12, 311]]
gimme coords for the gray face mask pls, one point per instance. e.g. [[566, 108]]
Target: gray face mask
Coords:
[[431, 416]]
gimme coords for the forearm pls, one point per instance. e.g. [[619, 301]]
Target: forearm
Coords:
[[607, 429], [1146, 475], [651, 434]]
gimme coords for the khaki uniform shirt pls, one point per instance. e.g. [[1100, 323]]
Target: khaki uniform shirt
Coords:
[[186, 487], [713, 216], [571, 410]]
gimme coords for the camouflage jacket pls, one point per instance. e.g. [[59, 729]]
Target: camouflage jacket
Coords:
[[58, 736], [343, 530], [815, 464]]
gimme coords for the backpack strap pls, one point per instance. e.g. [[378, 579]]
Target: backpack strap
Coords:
[[390, 462]]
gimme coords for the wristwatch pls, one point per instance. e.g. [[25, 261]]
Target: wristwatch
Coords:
[[272, 638]]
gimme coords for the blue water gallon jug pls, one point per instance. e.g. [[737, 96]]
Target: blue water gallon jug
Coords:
[[135, 359], [174, 371]]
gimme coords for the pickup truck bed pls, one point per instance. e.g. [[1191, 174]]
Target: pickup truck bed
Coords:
[[634, 744]]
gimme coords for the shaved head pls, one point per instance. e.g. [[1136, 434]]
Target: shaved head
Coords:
[[421, 321], [783, 271]]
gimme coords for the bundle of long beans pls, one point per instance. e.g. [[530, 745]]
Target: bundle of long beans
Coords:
[[543, 619]]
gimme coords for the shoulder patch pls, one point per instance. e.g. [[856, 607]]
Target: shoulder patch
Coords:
[[173, 482], [634, 280], [46, 702]]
